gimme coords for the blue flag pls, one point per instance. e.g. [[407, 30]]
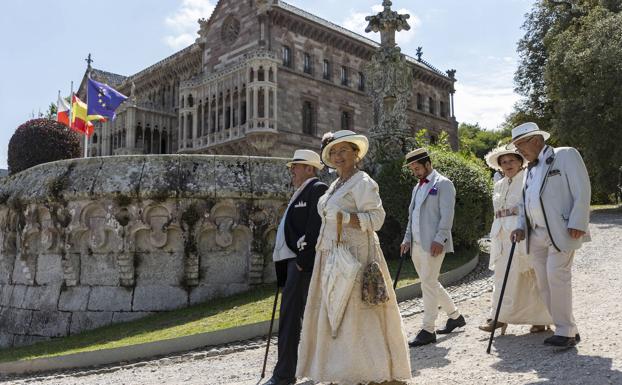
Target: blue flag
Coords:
[[102, 99]]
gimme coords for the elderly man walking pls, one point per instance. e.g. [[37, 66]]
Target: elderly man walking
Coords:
[[294, 256], [554, 218], [428, 235]]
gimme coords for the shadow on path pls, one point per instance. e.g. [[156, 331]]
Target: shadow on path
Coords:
[[517, 356], [431, 356]]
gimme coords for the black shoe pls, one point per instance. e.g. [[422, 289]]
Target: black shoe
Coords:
[[280, 381], [452, 324], [561, 341], [423, 338]]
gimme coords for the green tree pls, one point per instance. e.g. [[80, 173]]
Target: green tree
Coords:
[[570, 78], [51, 112], [584, 74], [478, 141]]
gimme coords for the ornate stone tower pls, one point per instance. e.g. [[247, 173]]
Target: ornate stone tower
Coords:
[[390, 85]]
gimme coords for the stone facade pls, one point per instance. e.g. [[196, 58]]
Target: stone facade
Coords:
[[262, 78], [88, 242]]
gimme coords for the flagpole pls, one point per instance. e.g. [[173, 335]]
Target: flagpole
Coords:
[[57, 105], [71, 107], [86, 127]]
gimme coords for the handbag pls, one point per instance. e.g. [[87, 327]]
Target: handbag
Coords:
[[338, 280], [374, 286]]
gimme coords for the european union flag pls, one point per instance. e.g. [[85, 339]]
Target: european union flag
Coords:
[[102, 99]]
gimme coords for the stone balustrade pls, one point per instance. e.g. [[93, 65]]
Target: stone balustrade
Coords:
[[89, 242]]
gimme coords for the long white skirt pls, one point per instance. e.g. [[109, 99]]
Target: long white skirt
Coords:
[[371, 344], [522, 303]]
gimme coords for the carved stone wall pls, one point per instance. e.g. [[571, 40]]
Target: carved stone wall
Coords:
[[89, 242]]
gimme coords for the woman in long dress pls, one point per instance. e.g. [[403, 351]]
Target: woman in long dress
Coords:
[[521, 303], [370, 343]]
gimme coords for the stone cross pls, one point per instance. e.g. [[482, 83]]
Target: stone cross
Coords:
[[88, 60]]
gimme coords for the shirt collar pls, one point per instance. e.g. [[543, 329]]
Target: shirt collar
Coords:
[[302, 186], [542, 156]]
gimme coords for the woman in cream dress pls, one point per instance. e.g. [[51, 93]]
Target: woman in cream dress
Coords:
[[521, 301], [370, 344]]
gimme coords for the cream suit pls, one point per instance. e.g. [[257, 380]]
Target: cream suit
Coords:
[[430, 218], [521, 301], [561, 200]]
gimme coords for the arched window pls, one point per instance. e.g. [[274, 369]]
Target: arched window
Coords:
[[307, 67], [308, 118], [287, 56], [326, 70], [346, 120]]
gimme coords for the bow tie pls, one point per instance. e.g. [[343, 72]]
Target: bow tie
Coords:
[[423, 181], [533, 164]]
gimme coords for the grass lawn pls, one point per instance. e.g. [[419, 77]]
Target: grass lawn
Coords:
[[240, 309], [606, 208]]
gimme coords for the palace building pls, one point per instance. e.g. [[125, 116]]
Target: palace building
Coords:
[[262, 78]]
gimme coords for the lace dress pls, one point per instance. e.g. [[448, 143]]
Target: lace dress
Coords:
[[370, 345]]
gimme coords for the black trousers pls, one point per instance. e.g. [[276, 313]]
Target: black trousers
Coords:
[[293, 303]]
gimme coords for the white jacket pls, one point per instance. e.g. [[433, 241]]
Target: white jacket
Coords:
[[436, 215], [564, 197]]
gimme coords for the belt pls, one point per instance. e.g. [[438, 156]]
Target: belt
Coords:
[[506, 212]]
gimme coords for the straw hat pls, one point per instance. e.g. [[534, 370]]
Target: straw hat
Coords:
[[306, 157], [330, 139], [415, 155], [492, 158]]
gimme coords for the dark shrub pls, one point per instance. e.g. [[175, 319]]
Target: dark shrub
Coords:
[[40, 141], [473, 210]]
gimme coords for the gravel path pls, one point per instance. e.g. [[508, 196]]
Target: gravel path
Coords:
[[459, 358]]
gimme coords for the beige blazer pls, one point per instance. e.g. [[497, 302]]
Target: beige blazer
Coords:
[[565, 199], [436, 216]]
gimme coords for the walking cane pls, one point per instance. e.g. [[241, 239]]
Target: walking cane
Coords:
[[505, 280], [399, 268], [265, 359]]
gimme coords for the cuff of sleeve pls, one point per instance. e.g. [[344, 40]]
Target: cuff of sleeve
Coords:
[[346, 217], [365, 221]]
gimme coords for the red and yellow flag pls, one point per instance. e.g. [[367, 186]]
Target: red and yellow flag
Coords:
[[79, 118]]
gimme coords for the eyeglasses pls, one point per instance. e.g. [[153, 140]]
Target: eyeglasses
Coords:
[[341, 152], [520, 144]]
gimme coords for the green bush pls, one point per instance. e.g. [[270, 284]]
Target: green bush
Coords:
[[473, 210], [40, 141]]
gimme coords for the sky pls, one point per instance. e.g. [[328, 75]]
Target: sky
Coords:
[[43, 46]]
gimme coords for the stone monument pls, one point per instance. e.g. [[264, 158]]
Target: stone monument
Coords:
[[390, 79]]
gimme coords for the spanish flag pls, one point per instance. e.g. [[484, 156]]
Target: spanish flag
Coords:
[[79, 118]]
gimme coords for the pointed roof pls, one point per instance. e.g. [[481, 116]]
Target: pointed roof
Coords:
[[109, 78]]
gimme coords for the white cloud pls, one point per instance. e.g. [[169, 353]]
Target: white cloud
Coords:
[[183, 23], [487, 97], [356, 22]]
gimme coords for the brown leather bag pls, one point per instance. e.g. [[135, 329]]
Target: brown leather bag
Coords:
[[374, 286]]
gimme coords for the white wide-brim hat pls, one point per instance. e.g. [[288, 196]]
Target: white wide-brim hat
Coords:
[[526, 130], [492, 158], [330, 139], [308, 157]]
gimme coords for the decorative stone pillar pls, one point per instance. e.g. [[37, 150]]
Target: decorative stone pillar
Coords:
[[389, 85]]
